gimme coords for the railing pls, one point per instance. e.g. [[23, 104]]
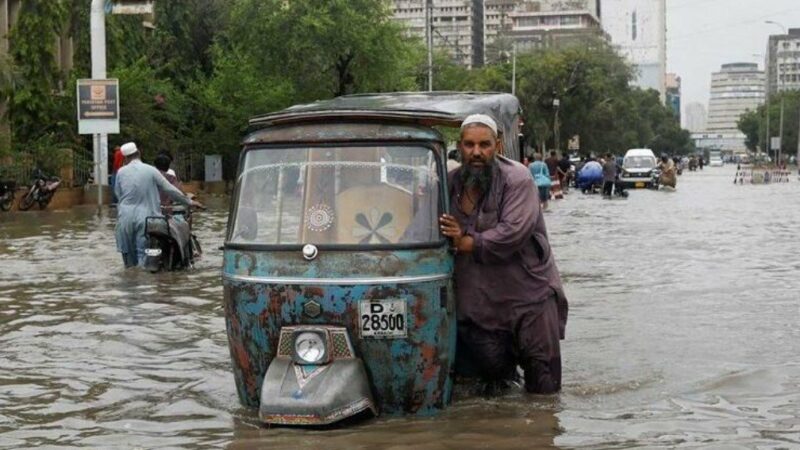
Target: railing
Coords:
[[76, 169], [761, 175]]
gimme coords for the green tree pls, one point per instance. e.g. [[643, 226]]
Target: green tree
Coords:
[[753, 123], [32, 105], [152, 110], [326, 47], [236, 91]]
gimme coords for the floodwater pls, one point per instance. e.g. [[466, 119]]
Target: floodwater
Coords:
[[684, 332]]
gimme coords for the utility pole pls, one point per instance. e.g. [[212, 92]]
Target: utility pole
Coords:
[[97, 29], [780, 133], [797, 161], [429, 40], [514, 67]]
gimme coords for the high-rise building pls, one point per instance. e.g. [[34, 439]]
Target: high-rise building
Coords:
[[673, 88], [695, 117], [457, 26], [497, 23], [638, 28], [736, 89], [783, 64], [544, 24]]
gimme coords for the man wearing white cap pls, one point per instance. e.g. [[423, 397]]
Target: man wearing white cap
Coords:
[[137, 191], [511, 305]]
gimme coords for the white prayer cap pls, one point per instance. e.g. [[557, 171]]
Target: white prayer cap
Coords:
[[482, 119], [129, 149]]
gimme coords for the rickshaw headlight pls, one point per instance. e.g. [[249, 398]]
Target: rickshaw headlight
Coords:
[[310, 348]]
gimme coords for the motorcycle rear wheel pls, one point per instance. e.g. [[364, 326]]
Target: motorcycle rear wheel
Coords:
[[27, 201], [7, 200], [45, 200]]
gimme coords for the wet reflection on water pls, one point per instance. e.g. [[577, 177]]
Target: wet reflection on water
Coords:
[[683, 331]]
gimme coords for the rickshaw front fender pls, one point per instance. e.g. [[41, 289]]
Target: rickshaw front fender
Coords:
[[328, 394]]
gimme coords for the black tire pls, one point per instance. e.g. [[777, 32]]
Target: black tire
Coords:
[[7, 200], [45, 200], [196, 248], [27, 200]]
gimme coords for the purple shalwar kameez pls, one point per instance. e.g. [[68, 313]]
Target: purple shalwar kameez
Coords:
[[511, 305]]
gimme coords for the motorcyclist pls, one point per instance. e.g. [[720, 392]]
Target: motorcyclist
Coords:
[[668, 175], [137, 190]]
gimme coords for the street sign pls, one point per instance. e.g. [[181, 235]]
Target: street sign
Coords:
[[574, 143], [141, 7], [775, 143], [98, 106]]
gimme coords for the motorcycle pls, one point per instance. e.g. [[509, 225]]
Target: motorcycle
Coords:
[[7, 195], [171, 243], [41, 191], [655, 179]]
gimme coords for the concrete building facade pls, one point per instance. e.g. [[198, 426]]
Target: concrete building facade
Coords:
[[694, 117], [458, 26], [554, 24], [497, 24], [735, 89], [673, 93], [638, 28], [783, 61]]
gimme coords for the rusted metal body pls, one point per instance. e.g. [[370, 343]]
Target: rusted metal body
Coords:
[[409, 375], [309, 273]]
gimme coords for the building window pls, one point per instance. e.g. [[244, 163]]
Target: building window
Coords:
[[634, 30], [570, 20]]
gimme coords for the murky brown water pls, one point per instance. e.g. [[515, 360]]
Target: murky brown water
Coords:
[[684, 332]]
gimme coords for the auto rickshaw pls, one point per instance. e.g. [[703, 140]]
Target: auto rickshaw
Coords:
[[338, 284]]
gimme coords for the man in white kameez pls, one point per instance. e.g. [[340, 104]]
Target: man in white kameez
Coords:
[[136, 188]]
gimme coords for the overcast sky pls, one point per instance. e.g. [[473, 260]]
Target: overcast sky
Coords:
[[704, 34]]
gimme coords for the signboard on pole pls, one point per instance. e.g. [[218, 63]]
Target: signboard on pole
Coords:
[[141, 7], [575, 143], [775, 143], [98, 106]]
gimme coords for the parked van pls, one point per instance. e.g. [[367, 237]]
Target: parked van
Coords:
[[714, 159], [637, 168]]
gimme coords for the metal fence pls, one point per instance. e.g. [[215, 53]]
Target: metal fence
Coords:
[[75, 170]]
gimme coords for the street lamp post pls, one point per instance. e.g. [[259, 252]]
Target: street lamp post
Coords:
[[780, 132], [556, 105]]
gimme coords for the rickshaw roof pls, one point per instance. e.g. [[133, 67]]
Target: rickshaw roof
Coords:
[[426, 108]]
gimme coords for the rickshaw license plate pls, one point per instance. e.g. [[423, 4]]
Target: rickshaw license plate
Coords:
[[639, 184], [383, 319]]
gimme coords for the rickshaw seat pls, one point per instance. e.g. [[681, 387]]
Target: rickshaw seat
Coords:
[[372, 214]]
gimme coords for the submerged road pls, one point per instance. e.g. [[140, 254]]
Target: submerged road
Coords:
[[684, 331]]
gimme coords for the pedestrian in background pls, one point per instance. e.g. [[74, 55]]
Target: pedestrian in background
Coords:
[[541, 175], [117, 162], [609, 174]]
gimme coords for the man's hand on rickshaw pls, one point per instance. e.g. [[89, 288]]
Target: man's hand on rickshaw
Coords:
[[450, 227], [198, 205]]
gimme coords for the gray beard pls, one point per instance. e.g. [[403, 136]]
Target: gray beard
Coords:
[[477, 177]]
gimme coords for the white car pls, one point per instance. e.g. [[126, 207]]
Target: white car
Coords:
[[637, 168], [715, 161]]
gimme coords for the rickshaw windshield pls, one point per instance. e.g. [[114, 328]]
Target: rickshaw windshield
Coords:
[[358, 195]]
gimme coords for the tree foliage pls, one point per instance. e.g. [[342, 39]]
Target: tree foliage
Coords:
[[753, 123], [32, 106]]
